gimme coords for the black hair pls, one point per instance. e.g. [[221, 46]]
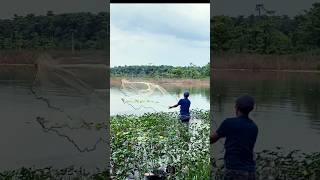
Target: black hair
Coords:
[[245, 104]]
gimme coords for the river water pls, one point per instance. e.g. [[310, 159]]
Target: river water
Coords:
[[27, 142], [287, 108], [156, 102]]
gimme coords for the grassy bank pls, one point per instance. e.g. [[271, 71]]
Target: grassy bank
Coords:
[[306, 62]]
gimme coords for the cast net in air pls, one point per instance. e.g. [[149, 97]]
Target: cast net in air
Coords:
[[73, 92], [141, 95]]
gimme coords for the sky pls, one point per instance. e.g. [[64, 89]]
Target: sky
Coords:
[[159, 34]]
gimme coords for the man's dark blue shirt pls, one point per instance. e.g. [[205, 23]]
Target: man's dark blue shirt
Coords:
[[184, 106], [241, 134]]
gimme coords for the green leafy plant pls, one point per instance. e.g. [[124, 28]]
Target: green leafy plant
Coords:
[[153, 141]]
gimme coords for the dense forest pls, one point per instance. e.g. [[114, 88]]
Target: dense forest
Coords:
[[268, 33], [162, 71], [52, 32]]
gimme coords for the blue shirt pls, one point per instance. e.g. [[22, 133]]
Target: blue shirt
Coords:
[[241, 134], [184, 106]]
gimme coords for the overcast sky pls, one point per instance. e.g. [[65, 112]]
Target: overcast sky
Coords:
[[159, 34]]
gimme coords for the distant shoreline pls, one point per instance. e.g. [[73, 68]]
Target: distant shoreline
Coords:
[[266, 62], [116, 81], [267, 70]]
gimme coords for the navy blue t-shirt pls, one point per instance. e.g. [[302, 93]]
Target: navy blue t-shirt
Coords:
[[184, 106], [241, 134]]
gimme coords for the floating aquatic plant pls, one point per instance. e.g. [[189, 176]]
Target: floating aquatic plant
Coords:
[[153, 141]]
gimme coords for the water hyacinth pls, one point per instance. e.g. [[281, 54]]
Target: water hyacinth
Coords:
[[156, 141], [52, 173], [279, 164]]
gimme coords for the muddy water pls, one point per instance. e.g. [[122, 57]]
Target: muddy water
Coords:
[[60, 143], [287, 108]]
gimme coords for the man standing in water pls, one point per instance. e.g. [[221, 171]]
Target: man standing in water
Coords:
[[241, 134], [184, 108]]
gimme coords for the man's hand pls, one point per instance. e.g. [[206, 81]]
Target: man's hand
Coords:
[[214, 138]]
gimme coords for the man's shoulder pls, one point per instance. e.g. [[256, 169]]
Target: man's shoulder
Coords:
[[184, 100], [230, 119], [234, 121]]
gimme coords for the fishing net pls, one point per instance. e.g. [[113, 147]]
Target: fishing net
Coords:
[[190, 140], [141, 95], [73, 94]]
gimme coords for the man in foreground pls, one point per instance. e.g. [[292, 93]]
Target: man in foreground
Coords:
[[184, 108], [241, 134]]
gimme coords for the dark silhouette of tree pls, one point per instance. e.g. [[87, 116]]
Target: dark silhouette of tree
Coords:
[[267, 34], [55, 31]]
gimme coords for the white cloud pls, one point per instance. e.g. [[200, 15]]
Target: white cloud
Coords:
[[161, 34]]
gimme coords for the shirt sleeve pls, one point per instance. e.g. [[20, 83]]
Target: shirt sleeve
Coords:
[[180, 102], [222, 131]]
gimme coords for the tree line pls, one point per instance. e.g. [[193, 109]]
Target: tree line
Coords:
[[267, 34], [163, 71], [55, 31]]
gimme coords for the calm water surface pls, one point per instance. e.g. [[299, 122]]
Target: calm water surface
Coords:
[[156, 102], [24, 142], [287, 108]]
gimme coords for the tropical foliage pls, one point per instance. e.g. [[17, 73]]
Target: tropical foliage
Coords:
[[163, 71], [267, 34], [55, 31]]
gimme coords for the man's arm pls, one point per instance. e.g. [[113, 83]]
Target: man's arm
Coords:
[[214, 138], [221, 132], [173, 106]]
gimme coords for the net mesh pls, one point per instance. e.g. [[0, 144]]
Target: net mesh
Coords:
[[143, 95], [73, 93]]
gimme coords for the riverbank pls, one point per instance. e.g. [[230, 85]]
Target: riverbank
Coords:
[[89, 66], [26, 57], [258, 62], [266, 70], [116, 81]]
